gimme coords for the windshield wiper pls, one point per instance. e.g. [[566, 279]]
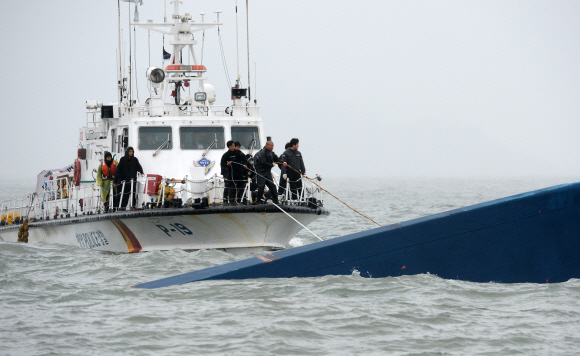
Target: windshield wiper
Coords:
[[252, 143], [166, 142], [210, 146]]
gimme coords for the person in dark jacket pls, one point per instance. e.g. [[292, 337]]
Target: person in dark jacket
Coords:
[[126, 171], [264, 161], [233, 164], [293, 158], [282, 185], [251, 173]]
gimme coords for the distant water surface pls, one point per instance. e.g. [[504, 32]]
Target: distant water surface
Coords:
[[62, 300]]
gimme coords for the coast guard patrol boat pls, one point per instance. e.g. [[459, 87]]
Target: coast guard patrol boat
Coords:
[[179, 142]]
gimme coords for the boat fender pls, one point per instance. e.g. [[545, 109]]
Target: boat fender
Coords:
[[23, 232], [77, 173]]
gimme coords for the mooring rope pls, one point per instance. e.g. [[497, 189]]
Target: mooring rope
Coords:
[[298, 222], [329, 193]]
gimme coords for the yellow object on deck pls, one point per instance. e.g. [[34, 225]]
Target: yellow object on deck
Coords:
[[9, 219]]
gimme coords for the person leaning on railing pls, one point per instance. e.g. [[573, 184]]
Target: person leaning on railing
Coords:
[[105, 175]]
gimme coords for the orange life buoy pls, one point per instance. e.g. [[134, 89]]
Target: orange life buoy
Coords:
[[77, 175], [105, 169]]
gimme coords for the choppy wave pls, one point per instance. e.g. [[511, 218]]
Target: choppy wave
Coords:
[[64, 300]]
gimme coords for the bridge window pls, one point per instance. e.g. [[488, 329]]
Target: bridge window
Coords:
[[151, 138], [245, 135], [200, 138]]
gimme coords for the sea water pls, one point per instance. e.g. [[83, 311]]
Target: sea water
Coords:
[[64, 300]]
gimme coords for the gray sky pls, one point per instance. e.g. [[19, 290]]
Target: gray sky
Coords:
[[371, 88]]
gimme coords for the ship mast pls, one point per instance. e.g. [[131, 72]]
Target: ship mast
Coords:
[[120, 72], [177, 73]]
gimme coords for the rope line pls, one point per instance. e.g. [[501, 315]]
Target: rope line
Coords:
[[303, 175], [332, 195], [224, 58], [298, 222]]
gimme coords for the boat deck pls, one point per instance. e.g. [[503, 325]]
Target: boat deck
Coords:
[[261, 208]]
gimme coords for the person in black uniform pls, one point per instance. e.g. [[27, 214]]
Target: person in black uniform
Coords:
[[233, 164], [127, 169], [293, 158], [246, 172], [251, 172], [282, 185], [264, 161]]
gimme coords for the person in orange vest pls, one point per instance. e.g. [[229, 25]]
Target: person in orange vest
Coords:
[[105, 176]]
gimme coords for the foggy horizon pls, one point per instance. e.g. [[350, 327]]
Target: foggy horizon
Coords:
[[420, 90]]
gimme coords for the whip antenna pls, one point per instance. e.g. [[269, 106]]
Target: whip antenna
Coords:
[[130, 93], [237, 47], [248, 46], [120, 62]]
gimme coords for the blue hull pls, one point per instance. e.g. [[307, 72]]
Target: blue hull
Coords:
[[527, 238]]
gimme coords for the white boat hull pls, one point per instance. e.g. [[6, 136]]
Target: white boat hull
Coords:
[[133, 232]]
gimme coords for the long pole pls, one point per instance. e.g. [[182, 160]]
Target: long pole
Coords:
[[120, 63], [248, 46], [130, 60], [256, 82], [237, 43], [149, 45]]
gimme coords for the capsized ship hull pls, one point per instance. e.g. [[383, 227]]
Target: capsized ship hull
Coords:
[[241, 228], [527, 238]]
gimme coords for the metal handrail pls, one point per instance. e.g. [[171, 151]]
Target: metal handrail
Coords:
[[88, 199]]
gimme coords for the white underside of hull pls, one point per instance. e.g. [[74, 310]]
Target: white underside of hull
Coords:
[[228, 231]]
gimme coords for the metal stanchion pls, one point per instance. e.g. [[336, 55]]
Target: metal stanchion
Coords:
[[121, 197], [131, 195]]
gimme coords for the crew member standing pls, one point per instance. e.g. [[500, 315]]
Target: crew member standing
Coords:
[[250, 173], [126, 171], [233, 163], [105, 175], [241, 178], [264, 161], [282, 185], [293, 158]]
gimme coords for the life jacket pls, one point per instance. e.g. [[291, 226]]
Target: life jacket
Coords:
[[109, 174]]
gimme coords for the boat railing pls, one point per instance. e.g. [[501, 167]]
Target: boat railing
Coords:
[[13, 209], [58, 199], [96, 128], [189, 110], [61, 199], [309, 194]]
